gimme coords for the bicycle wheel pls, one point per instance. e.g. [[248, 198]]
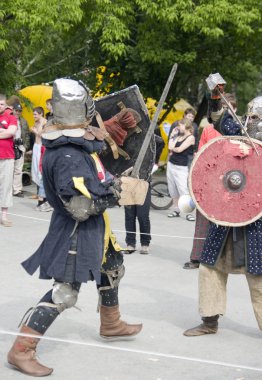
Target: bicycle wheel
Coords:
[[160, 198]]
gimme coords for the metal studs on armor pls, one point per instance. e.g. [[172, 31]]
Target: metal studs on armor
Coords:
[[41, 318]]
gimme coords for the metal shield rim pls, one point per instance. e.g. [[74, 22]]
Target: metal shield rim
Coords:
[[213, 220]]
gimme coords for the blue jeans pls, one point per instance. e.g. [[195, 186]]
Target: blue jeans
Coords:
[[142, 214], [41, 190]]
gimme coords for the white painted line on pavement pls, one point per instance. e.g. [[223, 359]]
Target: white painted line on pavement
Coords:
[[29, 217], [120, 231], [123, 349]]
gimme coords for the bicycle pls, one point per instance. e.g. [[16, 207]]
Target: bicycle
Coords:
[[160, 198]]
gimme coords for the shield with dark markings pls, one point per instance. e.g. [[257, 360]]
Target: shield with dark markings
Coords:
[[109, 106], [225, 181]]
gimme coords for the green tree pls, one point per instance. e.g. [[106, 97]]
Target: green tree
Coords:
[[201, 36], [137, 40], [28, 30]]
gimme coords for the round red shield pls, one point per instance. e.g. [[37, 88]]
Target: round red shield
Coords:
[[225, 181]]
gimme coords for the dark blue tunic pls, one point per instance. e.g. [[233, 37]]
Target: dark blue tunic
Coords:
[[216, 240], [217, 235], [64, 159]]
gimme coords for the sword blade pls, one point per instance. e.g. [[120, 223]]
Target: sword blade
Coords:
[[151, 129]]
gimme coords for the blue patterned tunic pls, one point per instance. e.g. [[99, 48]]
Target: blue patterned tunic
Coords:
[[216, 240], [217, 235]]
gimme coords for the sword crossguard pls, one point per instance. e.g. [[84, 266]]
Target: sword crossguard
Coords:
[[127, 172]]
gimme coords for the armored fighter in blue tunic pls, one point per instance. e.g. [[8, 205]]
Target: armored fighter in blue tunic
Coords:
[[229, 249], [79, 245]]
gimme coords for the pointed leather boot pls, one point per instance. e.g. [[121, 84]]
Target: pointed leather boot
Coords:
[[22, 355], [209, 326], [112, 328]]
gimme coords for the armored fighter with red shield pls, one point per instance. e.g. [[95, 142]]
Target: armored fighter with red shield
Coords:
[[230, 196]]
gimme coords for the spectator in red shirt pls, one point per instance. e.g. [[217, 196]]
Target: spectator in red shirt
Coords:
[[209, 133], [8, 126]]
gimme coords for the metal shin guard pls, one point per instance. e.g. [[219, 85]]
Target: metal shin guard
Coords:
[[40, 317], [22, 355], [209, 326], [61, 297], [109, 297], [112, 272]]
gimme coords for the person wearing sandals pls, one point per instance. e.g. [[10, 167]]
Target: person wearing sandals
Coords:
[[180, 147]]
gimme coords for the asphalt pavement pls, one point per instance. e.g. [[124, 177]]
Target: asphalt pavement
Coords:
[[155, 290]]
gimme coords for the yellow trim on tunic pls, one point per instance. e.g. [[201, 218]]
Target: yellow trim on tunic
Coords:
[[109, 236], [80, 186], [99, 166], [79, 181]]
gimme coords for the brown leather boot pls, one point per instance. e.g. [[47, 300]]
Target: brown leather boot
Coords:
[[23, 355], [209, 326], [112, 328]]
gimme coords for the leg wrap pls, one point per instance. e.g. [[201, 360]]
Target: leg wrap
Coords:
[[211, 321], [209, 326]]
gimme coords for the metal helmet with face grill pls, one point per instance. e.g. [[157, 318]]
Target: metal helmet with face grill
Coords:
[[71, 102], [254, 112], [254, 107]]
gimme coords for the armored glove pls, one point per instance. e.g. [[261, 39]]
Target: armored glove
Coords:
[[81, 207]]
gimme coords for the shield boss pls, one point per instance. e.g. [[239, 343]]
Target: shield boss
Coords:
[[225, 181]]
